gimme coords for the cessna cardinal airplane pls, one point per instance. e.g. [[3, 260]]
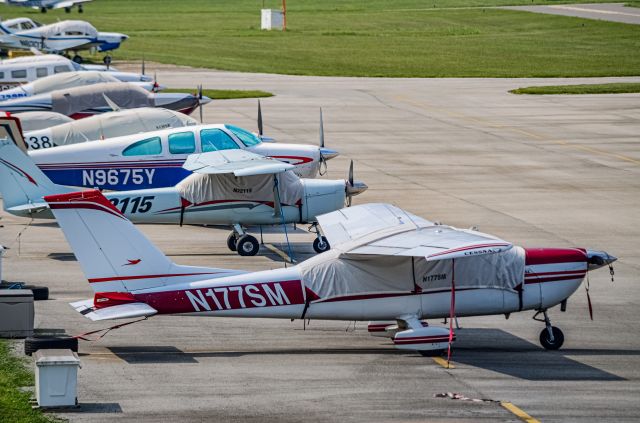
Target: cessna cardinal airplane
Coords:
[[63, 81], [44, 5], [61, 37], [79, 102], [387, 266], [104, 126], [158, 156], [231, 188]]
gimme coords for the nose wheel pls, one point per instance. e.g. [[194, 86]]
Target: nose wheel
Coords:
[[241, 242], [551, 337], [320, 244]]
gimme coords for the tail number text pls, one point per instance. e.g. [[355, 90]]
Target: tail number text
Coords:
[[101, 177]]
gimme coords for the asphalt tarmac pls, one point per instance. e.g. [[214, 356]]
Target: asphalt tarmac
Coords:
[[535, 170], [614, 12]]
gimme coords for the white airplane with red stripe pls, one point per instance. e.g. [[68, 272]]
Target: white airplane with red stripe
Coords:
[[387, 266]]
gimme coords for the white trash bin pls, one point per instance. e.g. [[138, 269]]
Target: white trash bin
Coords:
[[56, 378], [272, 19]]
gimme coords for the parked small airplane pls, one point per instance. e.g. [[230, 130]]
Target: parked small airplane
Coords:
[[159, 156], [387, 266], [80, 102], [44, 5], [35, 121], [63, 81], [232, 188], [25, 69], [104, 126], [61, 37]]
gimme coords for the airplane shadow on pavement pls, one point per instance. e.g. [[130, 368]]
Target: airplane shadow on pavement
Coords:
[[490, 349], [502, 352]]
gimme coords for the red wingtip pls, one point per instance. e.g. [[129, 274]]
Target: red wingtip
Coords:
[[89, 196]]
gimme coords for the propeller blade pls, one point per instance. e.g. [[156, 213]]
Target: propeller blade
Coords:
[[155, 82], [321, 130], [260, 129], [200, 107], [143, 65], [351, 173]]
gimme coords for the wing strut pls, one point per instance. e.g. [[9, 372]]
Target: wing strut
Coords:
[[452, 308]]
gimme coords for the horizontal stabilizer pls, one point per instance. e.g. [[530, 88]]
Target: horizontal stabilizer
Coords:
[[28, 207], [238, 162], [122, 311]]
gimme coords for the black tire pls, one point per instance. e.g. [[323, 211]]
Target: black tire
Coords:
[[35, 343], [247, 246], [40, 293], [558, 338], [232, 241], [431, 353], [320, 245], [77, 59], [43, 10], [67, 10]]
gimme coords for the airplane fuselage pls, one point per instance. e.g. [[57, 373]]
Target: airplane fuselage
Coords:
[[551, 276]]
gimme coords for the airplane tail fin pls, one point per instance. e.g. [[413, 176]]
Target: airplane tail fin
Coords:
[[114, 255], [22, 183]]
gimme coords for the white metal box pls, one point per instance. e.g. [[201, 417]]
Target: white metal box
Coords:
[[272, 19], [16, 313], [56, 378]]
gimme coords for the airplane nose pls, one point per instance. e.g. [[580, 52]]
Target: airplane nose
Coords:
[[123, 37], [598, 259], [328, 153], [205, 100]]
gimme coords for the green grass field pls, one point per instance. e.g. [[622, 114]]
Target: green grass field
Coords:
[[614, 88], [401, 38], [14, 405], [223, 94]]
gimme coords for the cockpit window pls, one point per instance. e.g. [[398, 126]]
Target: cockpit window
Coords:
[[215, 140], [21, 73], [247, 138], [182, 143], [146, 147], [61, 68]]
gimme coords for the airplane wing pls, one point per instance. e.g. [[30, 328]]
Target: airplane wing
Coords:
[[122, 311], [238, 162], [356, 222], [383, 229]]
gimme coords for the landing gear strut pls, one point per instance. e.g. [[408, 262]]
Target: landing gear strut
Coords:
[[240, 241], [320, 244], [551, 338]]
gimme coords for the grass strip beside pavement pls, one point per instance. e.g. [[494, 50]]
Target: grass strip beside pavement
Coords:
[[613, 88], [14, 404], [222, 94]]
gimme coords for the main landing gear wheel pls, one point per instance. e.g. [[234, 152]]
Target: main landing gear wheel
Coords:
[[232, 240], [247, 245], [545, 338], [320, 245], [77, 58]]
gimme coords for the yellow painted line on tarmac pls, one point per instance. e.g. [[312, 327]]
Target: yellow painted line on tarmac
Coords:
[[518, 412], [279, 252], [441, 361]]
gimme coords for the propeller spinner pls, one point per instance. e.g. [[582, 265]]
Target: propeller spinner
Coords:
[[353, 187]]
